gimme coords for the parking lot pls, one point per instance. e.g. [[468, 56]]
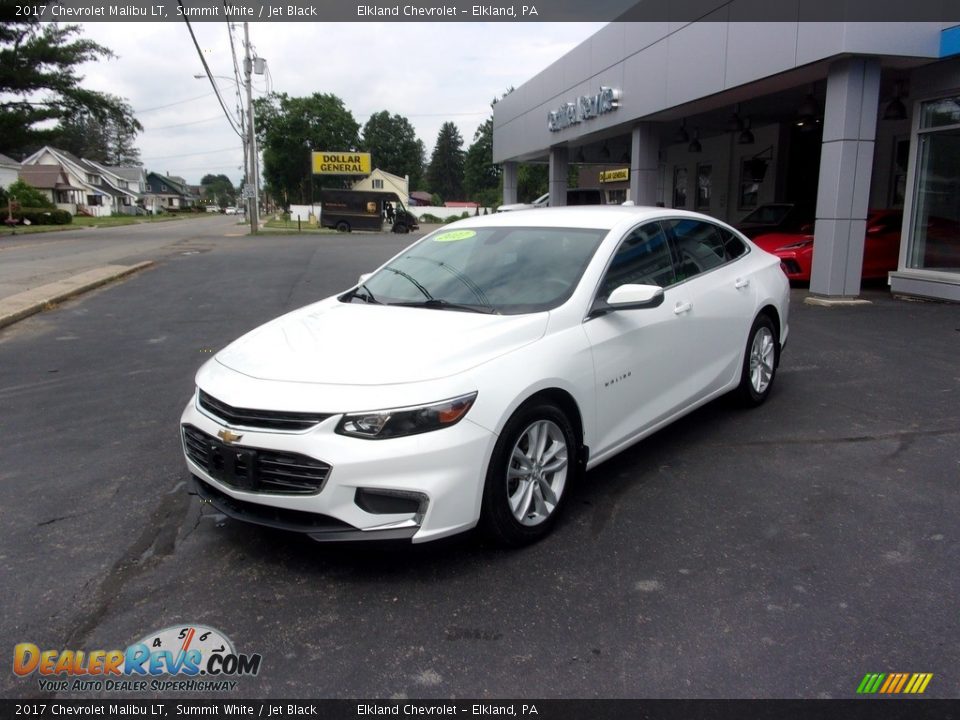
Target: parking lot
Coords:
[[779, 552]]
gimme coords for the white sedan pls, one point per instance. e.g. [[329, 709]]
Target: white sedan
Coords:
[[474, 376]]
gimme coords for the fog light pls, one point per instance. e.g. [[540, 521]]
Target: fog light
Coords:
[[391, 502]]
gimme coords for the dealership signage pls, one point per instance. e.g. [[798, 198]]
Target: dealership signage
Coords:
[[584, 108], [618, 175], [341, 163]]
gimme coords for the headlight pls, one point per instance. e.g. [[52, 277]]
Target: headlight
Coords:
[[381, 424]]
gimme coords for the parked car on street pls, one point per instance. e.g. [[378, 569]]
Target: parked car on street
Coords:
[[231, 211], [541, 202], [471, 378], [575, 196]]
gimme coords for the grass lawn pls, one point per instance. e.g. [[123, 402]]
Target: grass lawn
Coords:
[[292, 225], [81, 221]]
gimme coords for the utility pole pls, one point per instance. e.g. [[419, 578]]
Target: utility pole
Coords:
[[252, 170]]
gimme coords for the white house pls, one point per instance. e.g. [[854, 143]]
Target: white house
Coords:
[[9, 171], [102, 191]]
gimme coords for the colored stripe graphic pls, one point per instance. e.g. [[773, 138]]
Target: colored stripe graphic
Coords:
[[894, 683], [870, 683]]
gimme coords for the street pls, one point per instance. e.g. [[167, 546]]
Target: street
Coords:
[[780, 552]]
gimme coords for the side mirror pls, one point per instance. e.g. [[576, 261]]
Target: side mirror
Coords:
[[629, 297], [363, 278]]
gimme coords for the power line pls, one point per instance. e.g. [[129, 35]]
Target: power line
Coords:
[[179, 102], [194, 122], [206, 69], [205, 152]]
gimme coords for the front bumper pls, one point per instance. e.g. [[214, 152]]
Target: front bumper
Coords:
[[438, 477]]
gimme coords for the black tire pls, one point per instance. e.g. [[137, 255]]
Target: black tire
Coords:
[[760, 361], [343, 226], [400, 228], [499, 520]]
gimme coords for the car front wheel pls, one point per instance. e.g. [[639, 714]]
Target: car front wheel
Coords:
[[531, 469], [759, 362]]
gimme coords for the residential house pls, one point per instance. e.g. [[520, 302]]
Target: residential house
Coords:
[[102, 191], [386, 182], [421, 197], [9, 171], [168, 192], [53, 181]]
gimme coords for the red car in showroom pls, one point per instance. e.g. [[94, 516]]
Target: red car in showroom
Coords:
[[881, 249]]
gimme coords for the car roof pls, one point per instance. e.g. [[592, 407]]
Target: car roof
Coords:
[[602, 217]]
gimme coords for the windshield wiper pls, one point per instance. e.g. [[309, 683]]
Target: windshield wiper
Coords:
[[441, 304], [413, 281], [366, 295]]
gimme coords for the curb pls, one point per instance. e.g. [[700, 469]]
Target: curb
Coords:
[[29, 302]]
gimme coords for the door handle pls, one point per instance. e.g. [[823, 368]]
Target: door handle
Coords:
[[742, 283], [682, 307]]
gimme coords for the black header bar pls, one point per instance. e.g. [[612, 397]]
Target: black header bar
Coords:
[[79, 11]]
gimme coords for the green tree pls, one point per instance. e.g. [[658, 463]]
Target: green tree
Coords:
[[110, 141], [481, 177], [445, 174], [39, 84], [219, 189], [394, 147], [27, 195], [288, 128], [532, 181]]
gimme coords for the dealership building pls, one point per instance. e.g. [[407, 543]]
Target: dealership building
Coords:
[[722, 116]]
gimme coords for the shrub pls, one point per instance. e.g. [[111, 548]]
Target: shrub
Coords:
[[28, 195], [43, 216]]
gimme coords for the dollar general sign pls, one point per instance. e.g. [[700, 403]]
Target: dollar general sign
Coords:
[[341, 163]]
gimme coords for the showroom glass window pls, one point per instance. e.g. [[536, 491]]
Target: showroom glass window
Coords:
[[935, 236]]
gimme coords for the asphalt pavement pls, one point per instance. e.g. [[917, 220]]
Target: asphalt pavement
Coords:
[[780, 552]]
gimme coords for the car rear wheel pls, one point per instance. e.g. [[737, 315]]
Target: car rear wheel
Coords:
[[759, 363], [532, 465], [343, 226]]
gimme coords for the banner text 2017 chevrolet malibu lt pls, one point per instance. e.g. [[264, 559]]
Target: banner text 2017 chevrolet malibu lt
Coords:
[[476, 374]]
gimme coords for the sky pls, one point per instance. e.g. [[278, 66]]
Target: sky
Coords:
[[430, 73]]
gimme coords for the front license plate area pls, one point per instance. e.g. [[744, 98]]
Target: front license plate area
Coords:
[[236, 467]]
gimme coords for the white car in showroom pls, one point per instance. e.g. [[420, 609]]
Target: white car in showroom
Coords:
[[469, 380]]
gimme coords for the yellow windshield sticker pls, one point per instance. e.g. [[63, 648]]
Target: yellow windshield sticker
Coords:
[[454, 235]]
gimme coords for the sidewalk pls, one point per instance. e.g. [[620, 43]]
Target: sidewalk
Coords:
[[42, 269], [16, 307]]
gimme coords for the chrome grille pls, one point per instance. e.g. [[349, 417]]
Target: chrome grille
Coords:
[[255, 469], [261, 419]]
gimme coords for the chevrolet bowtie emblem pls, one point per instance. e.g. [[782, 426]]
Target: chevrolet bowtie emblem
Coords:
[[228, 437]]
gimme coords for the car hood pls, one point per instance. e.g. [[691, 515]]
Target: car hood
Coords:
[[357, 344]]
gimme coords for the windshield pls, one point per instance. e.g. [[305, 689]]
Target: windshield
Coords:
[[508, 270]]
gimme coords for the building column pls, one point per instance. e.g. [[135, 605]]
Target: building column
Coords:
[[509, 183], [559, 169], [644, 160], [846, 166]]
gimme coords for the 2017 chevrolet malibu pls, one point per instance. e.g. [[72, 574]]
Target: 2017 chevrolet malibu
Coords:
[[474, 376]]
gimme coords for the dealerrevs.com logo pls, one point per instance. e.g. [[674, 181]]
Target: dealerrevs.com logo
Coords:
[[181, 658]]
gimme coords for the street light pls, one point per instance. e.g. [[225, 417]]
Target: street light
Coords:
[[250, 65], [243, 123]]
